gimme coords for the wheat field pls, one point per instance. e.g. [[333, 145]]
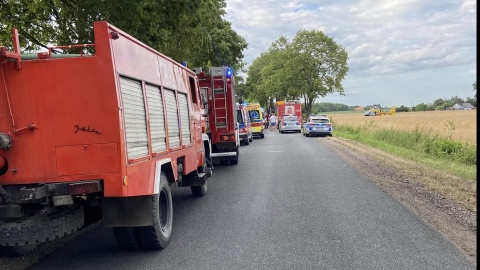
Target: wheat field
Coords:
[[456, 125]]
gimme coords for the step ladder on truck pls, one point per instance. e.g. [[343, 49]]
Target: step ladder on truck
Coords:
[[217, 85]]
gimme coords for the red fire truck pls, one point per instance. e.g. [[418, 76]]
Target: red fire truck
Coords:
[[222, 127], [290, 107], [112, 127]]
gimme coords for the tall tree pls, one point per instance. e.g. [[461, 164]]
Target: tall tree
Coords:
[[317, 66], [312, 65], [192, 31]]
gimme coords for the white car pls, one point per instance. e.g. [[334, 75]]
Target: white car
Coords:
[[317, 125]]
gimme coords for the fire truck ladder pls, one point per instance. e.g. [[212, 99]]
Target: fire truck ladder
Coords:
[[219, 86]]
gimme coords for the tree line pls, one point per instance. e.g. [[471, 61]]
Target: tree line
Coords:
[[437, 105], [184, 30]]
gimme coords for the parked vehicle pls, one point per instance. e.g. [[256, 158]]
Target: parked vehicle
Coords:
[[112, 128], [217, 86], [317, 125], [256, 117], [244, 125], [290, 123], [291, 107]]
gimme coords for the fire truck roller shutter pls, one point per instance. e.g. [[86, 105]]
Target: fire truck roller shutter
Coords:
[[135, 118], [157, 118], [184, 118], [172, 118]]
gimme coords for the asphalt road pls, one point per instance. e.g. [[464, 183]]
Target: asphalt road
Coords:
[[290, 203]]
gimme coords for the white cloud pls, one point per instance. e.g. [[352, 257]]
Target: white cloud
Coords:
[[384, 39]]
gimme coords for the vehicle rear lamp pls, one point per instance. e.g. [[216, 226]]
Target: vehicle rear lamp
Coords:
[[84, 188], [227, 137]]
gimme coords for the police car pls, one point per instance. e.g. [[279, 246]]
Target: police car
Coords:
[[317, 125]]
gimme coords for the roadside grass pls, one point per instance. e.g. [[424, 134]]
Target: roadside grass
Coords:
[[443, 165]]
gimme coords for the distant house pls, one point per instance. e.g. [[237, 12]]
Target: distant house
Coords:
[[359, 108], [463, 106]]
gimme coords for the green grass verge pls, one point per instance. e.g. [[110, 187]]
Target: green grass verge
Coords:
[[434, 151]]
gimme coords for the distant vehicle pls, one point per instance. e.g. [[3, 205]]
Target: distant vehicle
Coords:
[[378, 112], [290, 123], [290, 107], [244, 125], [256, 118], [317, 125]]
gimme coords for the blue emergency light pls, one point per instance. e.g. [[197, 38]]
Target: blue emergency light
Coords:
[[229, 72]]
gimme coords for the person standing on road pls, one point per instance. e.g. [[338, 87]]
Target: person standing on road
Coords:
[[273, 122]]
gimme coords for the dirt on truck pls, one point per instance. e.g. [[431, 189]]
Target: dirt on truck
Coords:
[[110, 127]]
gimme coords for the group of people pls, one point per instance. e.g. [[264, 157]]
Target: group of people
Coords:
[[271, 122]]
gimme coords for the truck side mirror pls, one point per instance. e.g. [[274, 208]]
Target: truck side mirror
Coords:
[[204, 100]]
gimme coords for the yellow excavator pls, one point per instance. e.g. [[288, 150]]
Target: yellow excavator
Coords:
[[378, 112]]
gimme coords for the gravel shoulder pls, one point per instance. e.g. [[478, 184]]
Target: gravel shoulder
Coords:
[[396, 176]]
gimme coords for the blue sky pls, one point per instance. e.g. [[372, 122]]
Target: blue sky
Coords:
[[401, 52]]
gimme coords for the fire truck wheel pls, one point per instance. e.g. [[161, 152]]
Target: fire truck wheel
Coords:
[[127, 238], [17, 250], [157, 235], [247, 142], [262, 136], [199, 191], [21, 237], [234, 161]]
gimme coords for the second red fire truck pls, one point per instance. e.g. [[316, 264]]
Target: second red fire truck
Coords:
[[217, 85]]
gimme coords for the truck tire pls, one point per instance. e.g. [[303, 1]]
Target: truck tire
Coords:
[[223, 162], [157, 236], [200, 191], [127, 238], [234, 161], [18, 238]]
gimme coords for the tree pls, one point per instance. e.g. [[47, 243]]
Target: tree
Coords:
[[421, 107], [191, 31], [402, 109], [317, 66], [312, 65], [454, 100], [438, 102]]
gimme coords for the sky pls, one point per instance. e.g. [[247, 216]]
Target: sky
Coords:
[[401, 52]]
